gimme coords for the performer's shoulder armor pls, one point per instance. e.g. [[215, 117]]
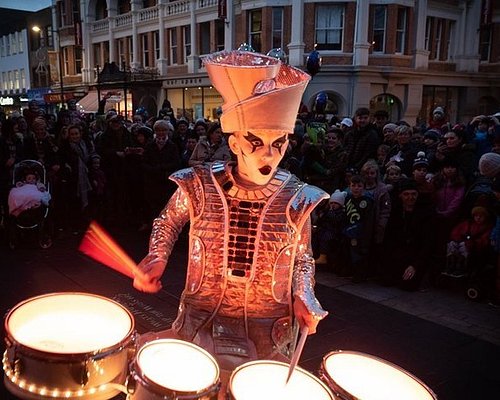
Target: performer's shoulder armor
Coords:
[[306, 198], [190, 182]]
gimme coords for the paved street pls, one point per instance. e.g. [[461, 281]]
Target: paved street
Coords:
[[450, 343]]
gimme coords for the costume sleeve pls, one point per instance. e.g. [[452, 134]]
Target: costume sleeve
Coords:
[[303, 274], [168, 226]]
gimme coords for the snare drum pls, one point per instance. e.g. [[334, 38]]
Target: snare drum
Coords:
[[67, 345], [171, 369], [266, 380], [352, 375]]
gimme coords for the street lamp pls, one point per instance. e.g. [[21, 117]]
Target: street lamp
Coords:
[[39, 30]]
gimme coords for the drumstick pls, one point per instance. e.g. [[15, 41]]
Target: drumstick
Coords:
[[298, 351], [98, 245]]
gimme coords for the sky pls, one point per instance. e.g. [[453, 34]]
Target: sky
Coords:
[[27, 5]]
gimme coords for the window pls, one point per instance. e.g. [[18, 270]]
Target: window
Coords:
[[13, 43], [11, 80], [401, 31], [156, 44], [172, 40], [437, 39], [122, 53], [20, 42], [205, 38], [97, 55], [379, 22], [219, 29], [130, 46], [66, 61], [485, 42], [62, 13], [145, 50], [186, 37], [255, 33], [49, 37], [277, 27], [23, 78], [16, 79], [2, 47], [78, 59], [329, 27], [5, 85]]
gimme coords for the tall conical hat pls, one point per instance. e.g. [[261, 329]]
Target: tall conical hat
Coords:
[[254, 86]]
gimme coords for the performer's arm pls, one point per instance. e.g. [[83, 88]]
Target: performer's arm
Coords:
[[306, 307], [166, 230]]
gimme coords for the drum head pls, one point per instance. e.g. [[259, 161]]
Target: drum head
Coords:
[[177, 365], [266, 380], [69, 323], [366, 377]]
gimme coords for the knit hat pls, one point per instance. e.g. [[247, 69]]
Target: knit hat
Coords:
[[347, 122], [438, 110], [489, 165], [407, 184], [432, 134], [390, 126], [420, 161], [338, 197]]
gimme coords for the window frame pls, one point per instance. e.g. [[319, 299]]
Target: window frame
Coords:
[[327, 30], [255, 29], [172, 46], [401, 31], [376, 30], [277, 32], [186, 41]]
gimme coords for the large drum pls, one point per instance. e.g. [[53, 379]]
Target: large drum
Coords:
[[352, 375], [266, 380], [67, 345], [173, 369]]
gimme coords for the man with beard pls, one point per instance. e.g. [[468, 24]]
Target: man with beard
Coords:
[[250, 268]]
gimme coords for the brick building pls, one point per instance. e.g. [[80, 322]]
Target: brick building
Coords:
[[404, 56]]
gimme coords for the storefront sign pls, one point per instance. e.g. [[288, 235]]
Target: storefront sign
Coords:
[[52, 98], [187, 82], [6, 101]]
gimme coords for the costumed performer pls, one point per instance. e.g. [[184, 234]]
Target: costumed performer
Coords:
[[250, 269]]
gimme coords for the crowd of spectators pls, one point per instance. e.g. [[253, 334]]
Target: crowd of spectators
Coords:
[[408, 203]]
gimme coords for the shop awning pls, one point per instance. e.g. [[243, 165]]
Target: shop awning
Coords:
[[90, 104]]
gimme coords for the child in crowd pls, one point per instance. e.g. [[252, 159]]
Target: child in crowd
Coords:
[[449, 186], [329, 232], [469, 244], [392, 175], [421, 177], [28, 193], [359, 210], [382, 152]]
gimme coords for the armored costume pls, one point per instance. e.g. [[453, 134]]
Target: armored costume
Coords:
[[247, 249], [250, 259]]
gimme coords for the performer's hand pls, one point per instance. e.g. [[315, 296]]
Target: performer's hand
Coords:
[[304, 317], [148, 279]]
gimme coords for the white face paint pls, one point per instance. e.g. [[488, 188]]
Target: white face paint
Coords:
[[258, 152]]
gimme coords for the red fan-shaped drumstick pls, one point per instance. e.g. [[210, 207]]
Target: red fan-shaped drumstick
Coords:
[[98, 245]]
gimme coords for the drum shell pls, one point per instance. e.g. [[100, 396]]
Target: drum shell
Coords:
[[342, 394], [142, 388], [231, 396], [70, 371], [33, 373]]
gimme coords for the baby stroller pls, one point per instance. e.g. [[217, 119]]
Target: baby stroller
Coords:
[[25, 214]]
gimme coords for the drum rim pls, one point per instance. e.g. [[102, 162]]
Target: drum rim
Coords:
[[274, 362], [342, 392], [138, 374], [130, 336]]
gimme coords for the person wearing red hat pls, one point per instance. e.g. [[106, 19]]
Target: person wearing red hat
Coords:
[[250, 268]]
